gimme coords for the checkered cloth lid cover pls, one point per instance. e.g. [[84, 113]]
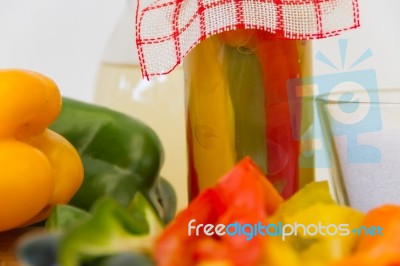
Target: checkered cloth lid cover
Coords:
[[166, 30]]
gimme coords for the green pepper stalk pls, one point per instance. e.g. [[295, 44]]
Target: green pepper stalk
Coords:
[[107, 235], [64, 217], [111, 230]]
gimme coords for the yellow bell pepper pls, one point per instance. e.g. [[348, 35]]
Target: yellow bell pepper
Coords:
[[313, 205], [38, 167]]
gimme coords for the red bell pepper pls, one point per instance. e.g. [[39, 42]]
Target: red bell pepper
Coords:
[[243, 196]]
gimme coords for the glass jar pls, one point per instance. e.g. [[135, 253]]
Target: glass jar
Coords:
[[238, 105]]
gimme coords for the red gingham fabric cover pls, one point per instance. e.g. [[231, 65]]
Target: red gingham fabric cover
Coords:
[[166, 30]]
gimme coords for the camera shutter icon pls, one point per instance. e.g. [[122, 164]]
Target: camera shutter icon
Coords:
[[353, 103], [351, 95]]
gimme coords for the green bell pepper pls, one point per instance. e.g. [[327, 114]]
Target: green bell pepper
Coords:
[[111, 230], [120, 154], [109, 235]]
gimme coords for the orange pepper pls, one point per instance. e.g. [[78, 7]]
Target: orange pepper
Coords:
[[378, 249]]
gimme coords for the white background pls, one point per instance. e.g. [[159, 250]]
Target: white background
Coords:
[[65, 39]]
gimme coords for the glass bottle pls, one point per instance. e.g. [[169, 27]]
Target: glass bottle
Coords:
[[159, 102]]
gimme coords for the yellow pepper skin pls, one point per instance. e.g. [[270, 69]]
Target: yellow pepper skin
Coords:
[[38, 167]]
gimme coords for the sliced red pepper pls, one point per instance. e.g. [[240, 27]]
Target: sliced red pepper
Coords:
[[243, 196], [279, 61], [175, 246], [246, 187]]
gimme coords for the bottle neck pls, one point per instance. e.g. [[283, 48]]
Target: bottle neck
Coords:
[[121, 46]]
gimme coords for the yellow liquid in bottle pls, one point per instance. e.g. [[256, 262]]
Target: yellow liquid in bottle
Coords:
[[160, 104]]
